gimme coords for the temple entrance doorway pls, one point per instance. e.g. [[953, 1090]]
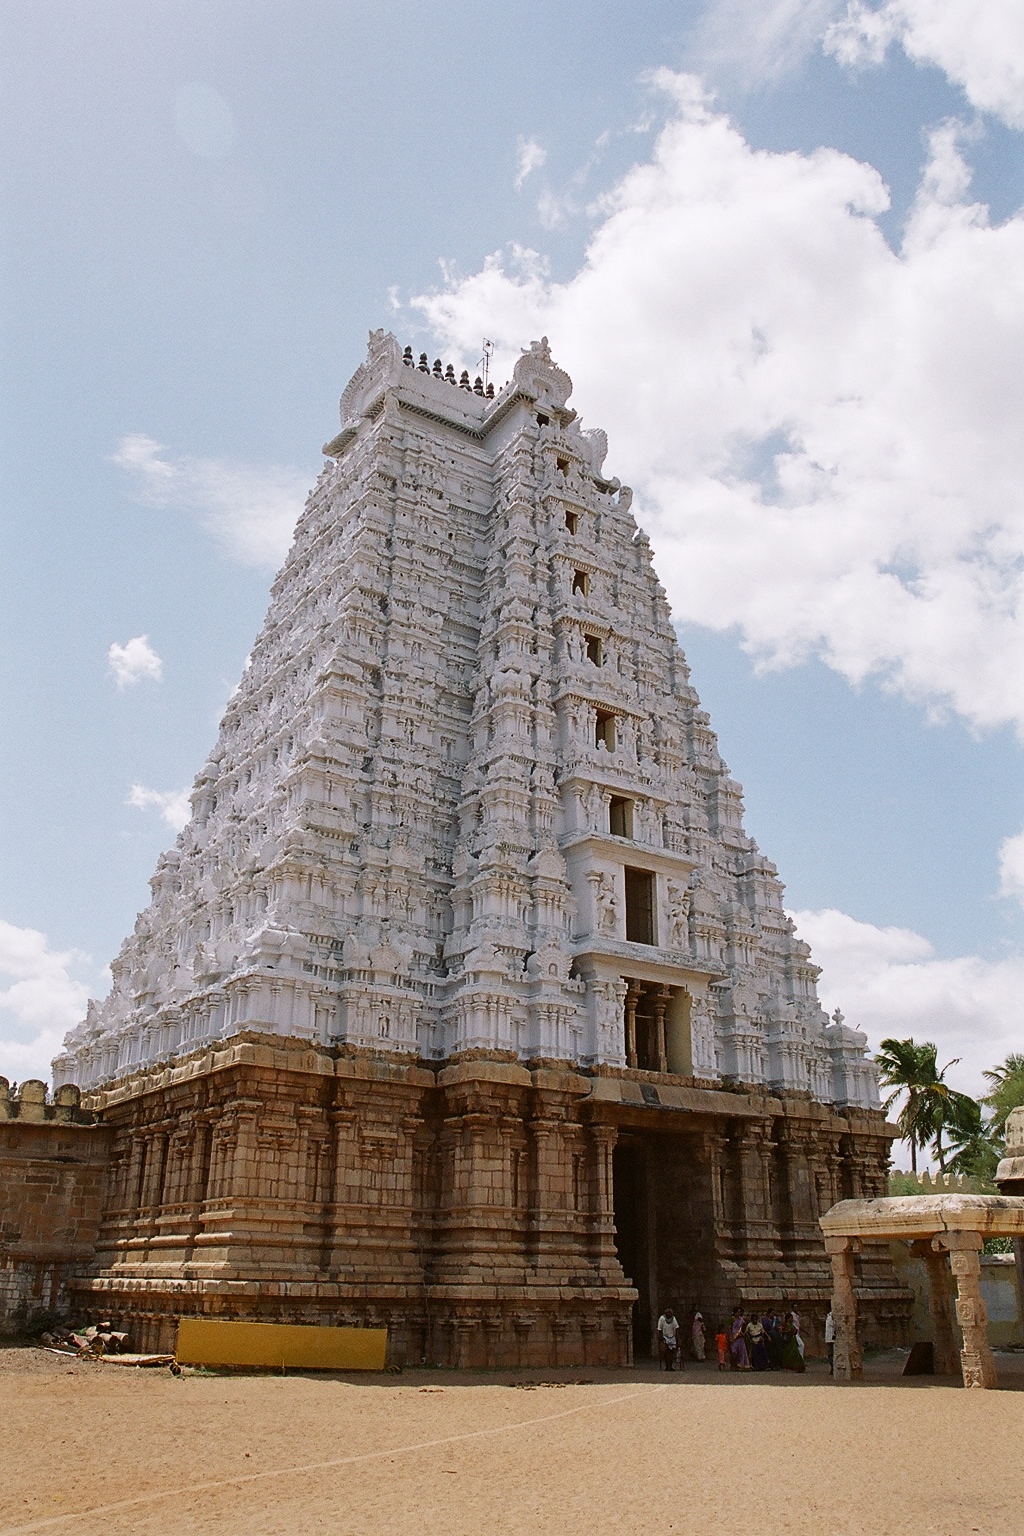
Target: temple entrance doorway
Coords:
[[664, 1205], [633, 1236]]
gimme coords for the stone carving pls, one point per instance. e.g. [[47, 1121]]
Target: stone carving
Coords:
[[383, 833], [702, 1038], [606, 908], [679, 915]]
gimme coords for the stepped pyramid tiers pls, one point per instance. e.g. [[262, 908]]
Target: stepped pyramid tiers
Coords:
[[464, 1001]]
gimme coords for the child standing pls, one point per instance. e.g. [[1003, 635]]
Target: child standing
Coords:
[[722, 1345]]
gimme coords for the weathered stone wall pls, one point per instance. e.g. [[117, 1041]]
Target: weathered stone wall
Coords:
[[53, 1174], [469, 1209], [998, 1289]]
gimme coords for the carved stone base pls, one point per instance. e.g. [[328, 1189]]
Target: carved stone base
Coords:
[[483, 1212]]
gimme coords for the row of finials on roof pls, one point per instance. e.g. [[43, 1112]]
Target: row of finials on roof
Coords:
[[448, 374]]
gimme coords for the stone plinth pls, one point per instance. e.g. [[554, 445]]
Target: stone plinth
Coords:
[[473, 1209]]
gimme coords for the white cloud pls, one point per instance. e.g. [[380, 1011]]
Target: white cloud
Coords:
[[532, 155], [824, 433], [979, 46], [1011, 867], [250, 510], [758, 40], [133, 661], [888, 981], [173, 804], [40, 1000]]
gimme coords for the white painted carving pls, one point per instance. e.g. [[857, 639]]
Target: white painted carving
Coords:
[[403, 828]]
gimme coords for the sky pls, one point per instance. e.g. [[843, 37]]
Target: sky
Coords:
[[779, 246]]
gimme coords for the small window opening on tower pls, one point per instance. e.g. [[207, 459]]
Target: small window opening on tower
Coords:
[[580, 583], [640, 906], [594, 652], [542, 420], [620, 816], [571, 521], [562, 465], [604, 730]]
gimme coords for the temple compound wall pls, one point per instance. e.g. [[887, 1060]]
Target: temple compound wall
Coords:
[[53, 1183], [466, 849], [487, 1212]]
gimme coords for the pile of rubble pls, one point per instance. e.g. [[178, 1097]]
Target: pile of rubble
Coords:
[[102, 1342], [94, 1341]]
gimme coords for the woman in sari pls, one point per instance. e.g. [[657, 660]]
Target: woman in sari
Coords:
[[792, 1354], [757, 1343], [738, 1358], [697, 1334]]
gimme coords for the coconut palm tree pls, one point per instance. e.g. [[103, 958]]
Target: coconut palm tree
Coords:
[[933, 1110], [910, 1068], [957, 1117], [976, 1155]]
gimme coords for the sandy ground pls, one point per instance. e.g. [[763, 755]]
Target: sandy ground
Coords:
[[91, 1448]]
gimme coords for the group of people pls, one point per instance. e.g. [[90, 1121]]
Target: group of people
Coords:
[[769, 1342]]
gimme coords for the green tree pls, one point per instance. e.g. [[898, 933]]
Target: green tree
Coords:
[[977, 1158], [1006, 1091], [959, 1120], [934, 1113], [907, 1067]]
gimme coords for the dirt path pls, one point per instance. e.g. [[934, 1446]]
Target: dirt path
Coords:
[[90, 1449]]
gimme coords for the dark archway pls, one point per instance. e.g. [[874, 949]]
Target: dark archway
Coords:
[[633, 1236]]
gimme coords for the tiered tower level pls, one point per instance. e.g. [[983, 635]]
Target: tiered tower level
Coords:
[[463, 1002], [465, 797]]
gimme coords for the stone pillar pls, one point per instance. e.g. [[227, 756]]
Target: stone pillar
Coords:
[[522, 1323], [715, 1147], [940, 1305], [1018, 1262], [602, 1210], [977, 1362], [801, 1194], [632, 998], [548, 1208], [241, 1173], [754, 1217], [661, 1000], [136, 1173], [846, 1353]]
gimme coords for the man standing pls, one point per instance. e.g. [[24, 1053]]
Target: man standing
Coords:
[[668, 1340], [830, 1341]]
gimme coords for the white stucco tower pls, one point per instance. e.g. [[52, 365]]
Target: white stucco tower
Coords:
[[465, 798]]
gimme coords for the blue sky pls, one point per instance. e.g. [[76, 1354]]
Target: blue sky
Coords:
[[778, 246]]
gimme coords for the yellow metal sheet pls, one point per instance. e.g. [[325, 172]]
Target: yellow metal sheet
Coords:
[[206, 1341]]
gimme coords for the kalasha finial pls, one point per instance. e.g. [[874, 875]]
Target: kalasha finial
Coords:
[[424, 365], [478, 385], [449, 374], [407, 358], [489, 391], [464, 381], [438, 370]]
